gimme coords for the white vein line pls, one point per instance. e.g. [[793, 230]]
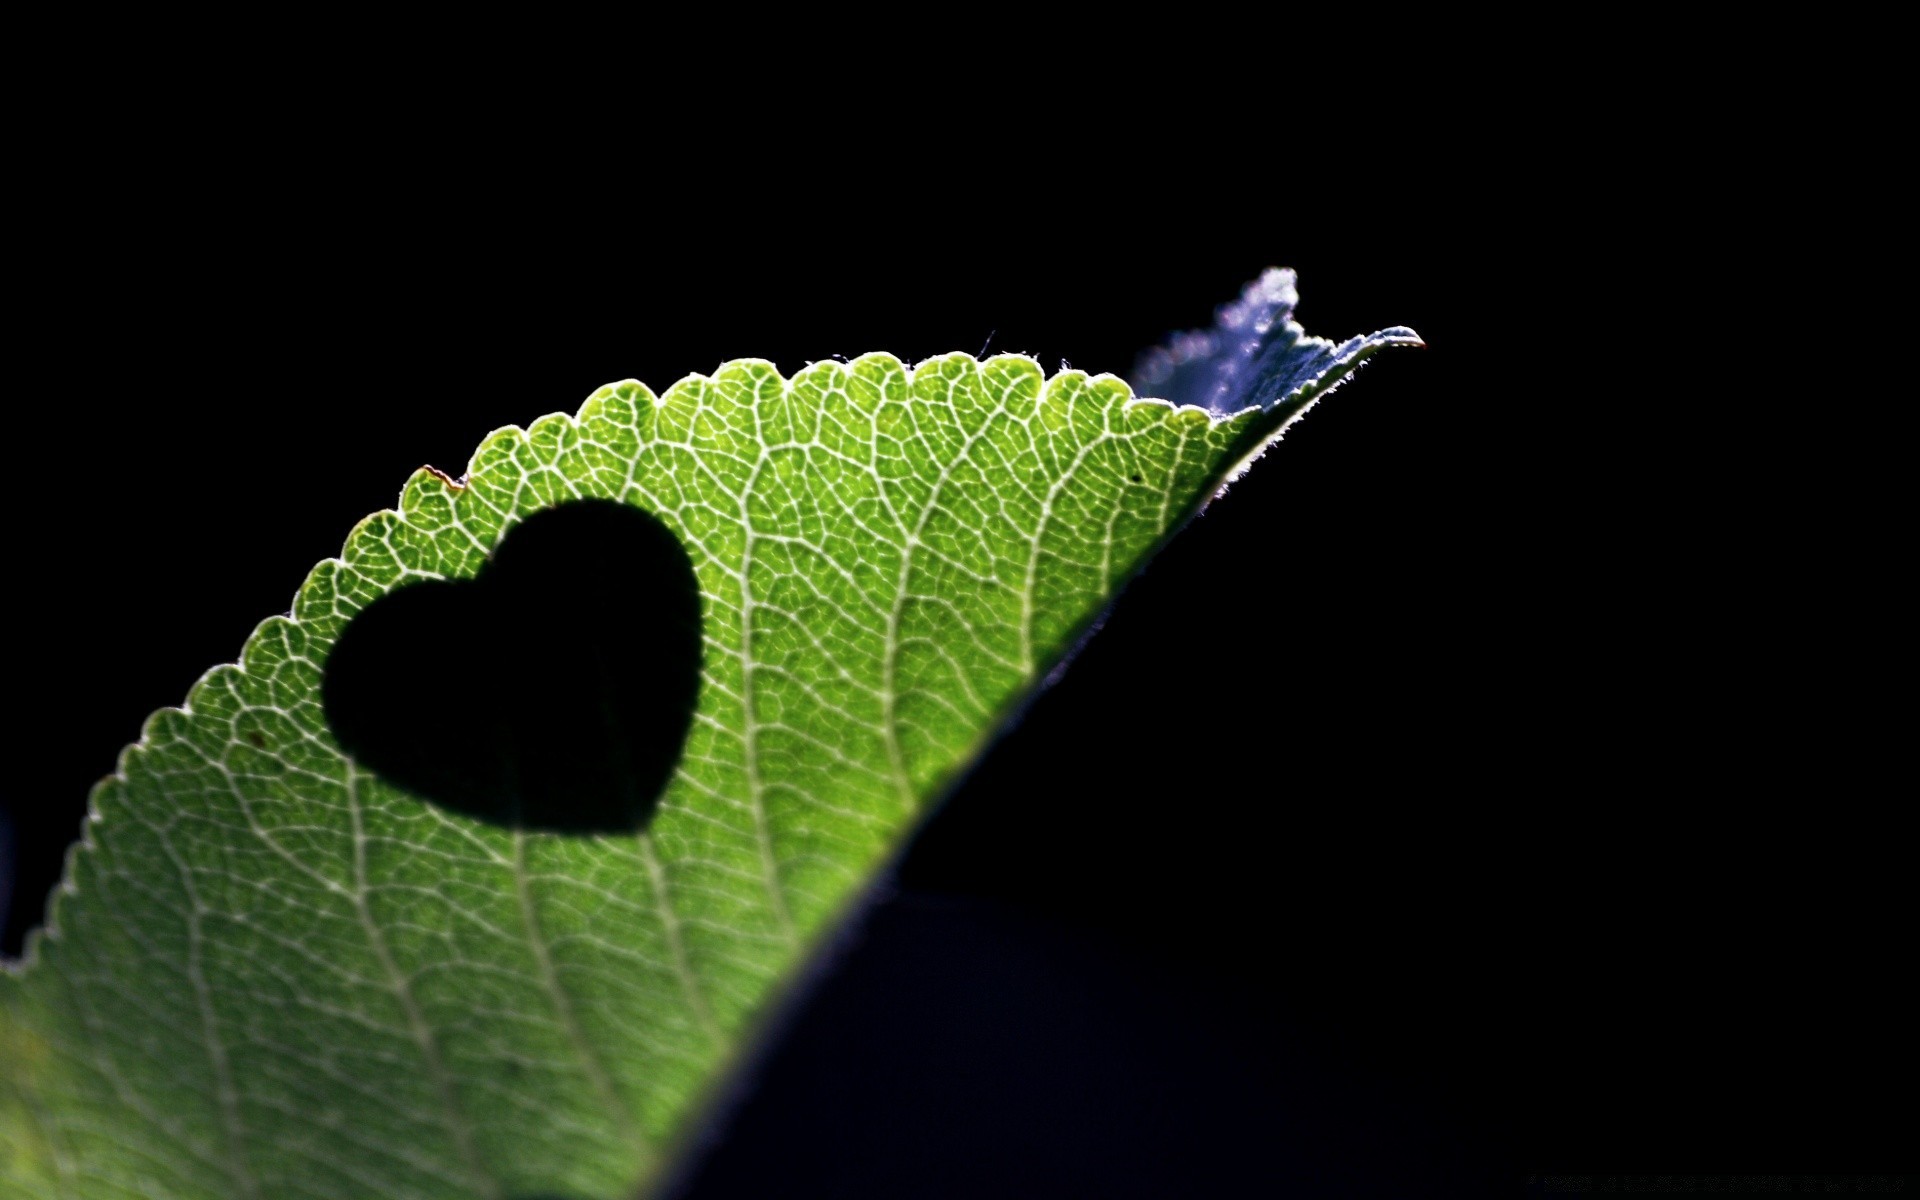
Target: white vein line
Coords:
[[1027, 608], [104, 1062], [890, 661], [596, 1071], [42, 1122], [1173, 476], [62, 1167], [670, 921], [226, 1095], [456, 1119], [750, 743]]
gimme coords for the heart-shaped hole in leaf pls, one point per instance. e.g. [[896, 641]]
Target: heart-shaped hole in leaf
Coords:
[[551, 691]]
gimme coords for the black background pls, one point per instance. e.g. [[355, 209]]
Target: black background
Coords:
[[1462, 797]]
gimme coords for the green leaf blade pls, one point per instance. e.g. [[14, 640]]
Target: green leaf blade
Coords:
[[271, 973]]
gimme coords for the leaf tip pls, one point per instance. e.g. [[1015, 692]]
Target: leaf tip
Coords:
[[1398, 335], [1255, 356]]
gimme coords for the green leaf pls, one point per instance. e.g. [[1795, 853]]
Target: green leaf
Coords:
[[272, 973]]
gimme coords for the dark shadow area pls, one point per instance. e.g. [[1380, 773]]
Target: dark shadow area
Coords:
[[1126, 1085], [552, 691]]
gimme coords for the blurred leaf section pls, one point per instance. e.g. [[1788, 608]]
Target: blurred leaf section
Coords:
[[271, 972], [1255, 355]]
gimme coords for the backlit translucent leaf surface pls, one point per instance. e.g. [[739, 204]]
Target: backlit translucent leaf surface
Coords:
[[272, 974]]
